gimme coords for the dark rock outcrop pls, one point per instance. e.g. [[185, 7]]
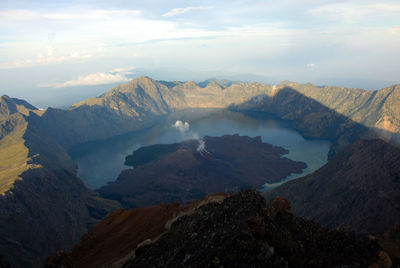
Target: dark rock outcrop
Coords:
[[242, 231], [117, 235], [390, 242], [359, 188], [237, 230]]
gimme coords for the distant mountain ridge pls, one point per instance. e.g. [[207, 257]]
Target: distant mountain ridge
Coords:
[[137, 104], [374, 108]]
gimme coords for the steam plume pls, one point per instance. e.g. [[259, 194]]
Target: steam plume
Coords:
[[184, 129]]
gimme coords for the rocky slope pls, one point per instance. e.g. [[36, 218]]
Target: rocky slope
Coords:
[[238, 230], [359, 188], [308, 116], [114, 238], [187, 171], [43, 205], [13, 152], [10, 106], [378, 109], [44, 211]]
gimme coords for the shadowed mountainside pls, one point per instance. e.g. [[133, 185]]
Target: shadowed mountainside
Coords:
[[237, 230], [43, 205], [308, 116], [183, 172], [359, 188], [373, 108], [13, 153]]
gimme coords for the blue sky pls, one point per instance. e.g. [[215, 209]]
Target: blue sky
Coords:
[[56, 48]]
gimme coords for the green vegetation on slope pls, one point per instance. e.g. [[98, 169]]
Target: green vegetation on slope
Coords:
[[13, 151], [13, 154]]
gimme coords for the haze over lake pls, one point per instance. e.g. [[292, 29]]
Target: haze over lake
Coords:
[[102, 161]]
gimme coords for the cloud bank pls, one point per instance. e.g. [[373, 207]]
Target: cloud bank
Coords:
[[99, 78], [184, 10]]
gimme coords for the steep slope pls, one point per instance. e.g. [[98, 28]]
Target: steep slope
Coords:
[[378, 109], [121, 232], [44, 211], [13, 152], [358, 188], [189, 170], [237, 230], [43, 205], [9, 106], [308, 116]]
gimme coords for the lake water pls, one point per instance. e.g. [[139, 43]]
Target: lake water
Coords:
[[102, 161]]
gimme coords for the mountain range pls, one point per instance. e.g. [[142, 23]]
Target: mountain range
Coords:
[[38, 177]]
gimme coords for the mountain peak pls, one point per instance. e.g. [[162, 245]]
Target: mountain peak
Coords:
[[9, 106], [143, 78]]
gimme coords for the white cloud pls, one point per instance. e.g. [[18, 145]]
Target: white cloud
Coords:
[[49, 59], [351, 13], [18, 15], [183, 10], [99, 78], [311, 65], [122, 70]]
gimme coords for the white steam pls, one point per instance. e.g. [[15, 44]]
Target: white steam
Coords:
[[181, 126], [202, 146], [187, 134]]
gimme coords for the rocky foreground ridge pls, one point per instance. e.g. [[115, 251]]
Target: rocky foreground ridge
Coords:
[[238, 230]]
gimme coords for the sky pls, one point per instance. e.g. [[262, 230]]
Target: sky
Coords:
[[54, 53]]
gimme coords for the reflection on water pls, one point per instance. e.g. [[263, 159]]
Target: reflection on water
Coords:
[[102, 161]]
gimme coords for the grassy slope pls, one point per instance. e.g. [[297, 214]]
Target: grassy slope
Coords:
[[13, 154]]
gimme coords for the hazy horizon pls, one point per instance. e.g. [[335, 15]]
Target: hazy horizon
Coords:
[[56, 53]]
